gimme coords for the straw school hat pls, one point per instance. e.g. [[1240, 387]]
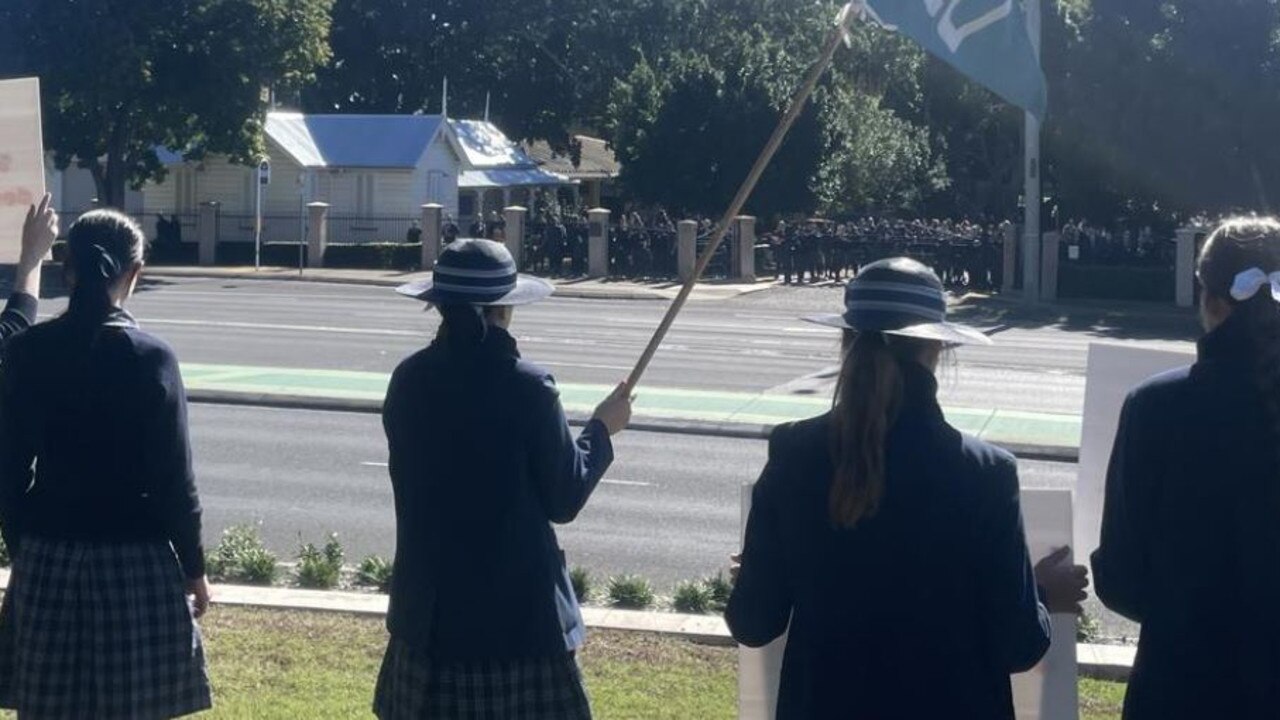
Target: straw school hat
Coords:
[[477, 272], [901, 297]]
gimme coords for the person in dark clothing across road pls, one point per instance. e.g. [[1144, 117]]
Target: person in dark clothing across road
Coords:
[[39, 230], [1190, 543], [483, 618], [98, 504], [891, 544]]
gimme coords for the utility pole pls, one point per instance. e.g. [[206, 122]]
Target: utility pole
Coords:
[[1032, 192]]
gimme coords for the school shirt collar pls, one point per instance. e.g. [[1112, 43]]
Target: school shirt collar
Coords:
[[497, 344], [120, 318], [116, 317]]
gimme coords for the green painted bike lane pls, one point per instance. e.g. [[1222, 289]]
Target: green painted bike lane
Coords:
[[654, 403]]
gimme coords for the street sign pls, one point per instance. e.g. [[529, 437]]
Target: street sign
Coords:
[[264, 172], [21, 160]]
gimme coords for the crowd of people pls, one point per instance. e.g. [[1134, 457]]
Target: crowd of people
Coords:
[[1096, 245], [967, 255], [964, 254], [886, 544]]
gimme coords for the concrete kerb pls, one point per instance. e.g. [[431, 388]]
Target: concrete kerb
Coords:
[[1104, 662], [698, 428]]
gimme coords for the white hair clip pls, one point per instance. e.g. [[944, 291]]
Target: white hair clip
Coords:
[[1249, 282]]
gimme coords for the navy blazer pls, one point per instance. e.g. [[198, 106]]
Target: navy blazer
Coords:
[[1191, 539], [94, 438], [921, 611], [482, 462], [18, 315]]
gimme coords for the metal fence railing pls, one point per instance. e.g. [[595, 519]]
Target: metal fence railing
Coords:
[[363, 229]]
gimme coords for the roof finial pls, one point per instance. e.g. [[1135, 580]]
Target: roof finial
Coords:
[[486, 106], [444, 98]]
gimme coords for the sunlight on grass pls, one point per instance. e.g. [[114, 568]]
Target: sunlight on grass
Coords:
[[269, 664]]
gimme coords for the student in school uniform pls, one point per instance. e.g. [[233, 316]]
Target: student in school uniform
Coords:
[[98, 504], [891, 544], [483, 619], [1190, 543]]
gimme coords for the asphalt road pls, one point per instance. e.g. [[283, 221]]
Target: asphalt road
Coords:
[[668, 509], [750, 344]]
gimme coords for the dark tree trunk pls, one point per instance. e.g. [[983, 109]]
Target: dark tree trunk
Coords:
[[98, 173], [111, 179]]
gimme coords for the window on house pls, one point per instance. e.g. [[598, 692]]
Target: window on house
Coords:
[[466, 204]]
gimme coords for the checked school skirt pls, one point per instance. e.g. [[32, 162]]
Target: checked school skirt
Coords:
[[98, 630], [412, 686]]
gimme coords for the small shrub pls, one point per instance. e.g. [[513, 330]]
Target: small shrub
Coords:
[[320, 568], [719, 587], [242, 558], [630, 591], [375, 571], [692, 597], [1087, 629], [580, 578]]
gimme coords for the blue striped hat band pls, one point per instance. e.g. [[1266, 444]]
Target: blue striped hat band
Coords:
[[477, 282], [882, 299]]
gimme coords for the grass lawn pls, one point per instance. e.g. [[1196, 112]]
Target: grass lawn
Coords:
[[269, 664]]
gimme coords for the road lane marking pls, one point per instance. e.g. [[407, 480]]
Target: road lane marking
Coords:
[[375, 464]]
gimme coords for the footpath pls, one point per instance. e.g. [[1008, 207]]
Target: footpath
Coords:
[[1104, 662]]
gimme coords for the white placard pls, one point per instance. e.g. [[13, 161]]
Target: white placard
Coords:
[[21, 160], [759, 669], [1048, 692], [1114, 371]]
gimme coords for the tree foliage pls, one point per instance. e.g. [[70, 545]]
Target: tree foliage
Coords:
[[688, 124], [1157, 109], [120, 78], [1172, 106]]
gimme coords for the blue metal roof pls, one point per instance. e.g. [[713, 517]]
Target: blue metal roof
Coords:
[[510, 177], [353, 141]]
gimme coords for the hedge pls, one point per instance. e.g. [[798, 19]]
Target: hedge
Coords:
[[1106, 282]]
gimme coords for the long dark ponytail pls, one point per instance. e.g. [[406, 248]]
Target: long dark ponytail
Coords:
[[867, 400], [102, 247], [1238, 246], [462, 325]]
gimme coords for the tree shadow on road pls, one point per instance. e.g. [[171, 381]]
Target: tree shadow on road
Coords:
[[1101, 319]]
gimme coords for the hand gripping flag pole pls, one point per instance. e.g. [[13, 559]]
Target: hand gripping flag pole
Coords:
[[838, 34]]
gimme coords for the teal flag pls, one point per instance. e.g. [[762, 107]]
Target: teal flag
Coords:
[[984, 39]]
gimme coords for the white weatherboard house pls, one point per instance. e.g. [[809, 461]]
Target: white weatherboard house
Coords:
[[374, 171], [496, 173]]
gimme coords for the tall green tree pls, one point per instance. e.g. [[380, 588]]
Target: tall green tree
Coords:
[[688, 125], [1172, 105], [121, 77], [547, 65]]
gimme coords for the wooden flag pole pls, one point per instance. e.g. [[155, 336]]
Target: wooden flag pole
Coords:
[[744, 192]]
